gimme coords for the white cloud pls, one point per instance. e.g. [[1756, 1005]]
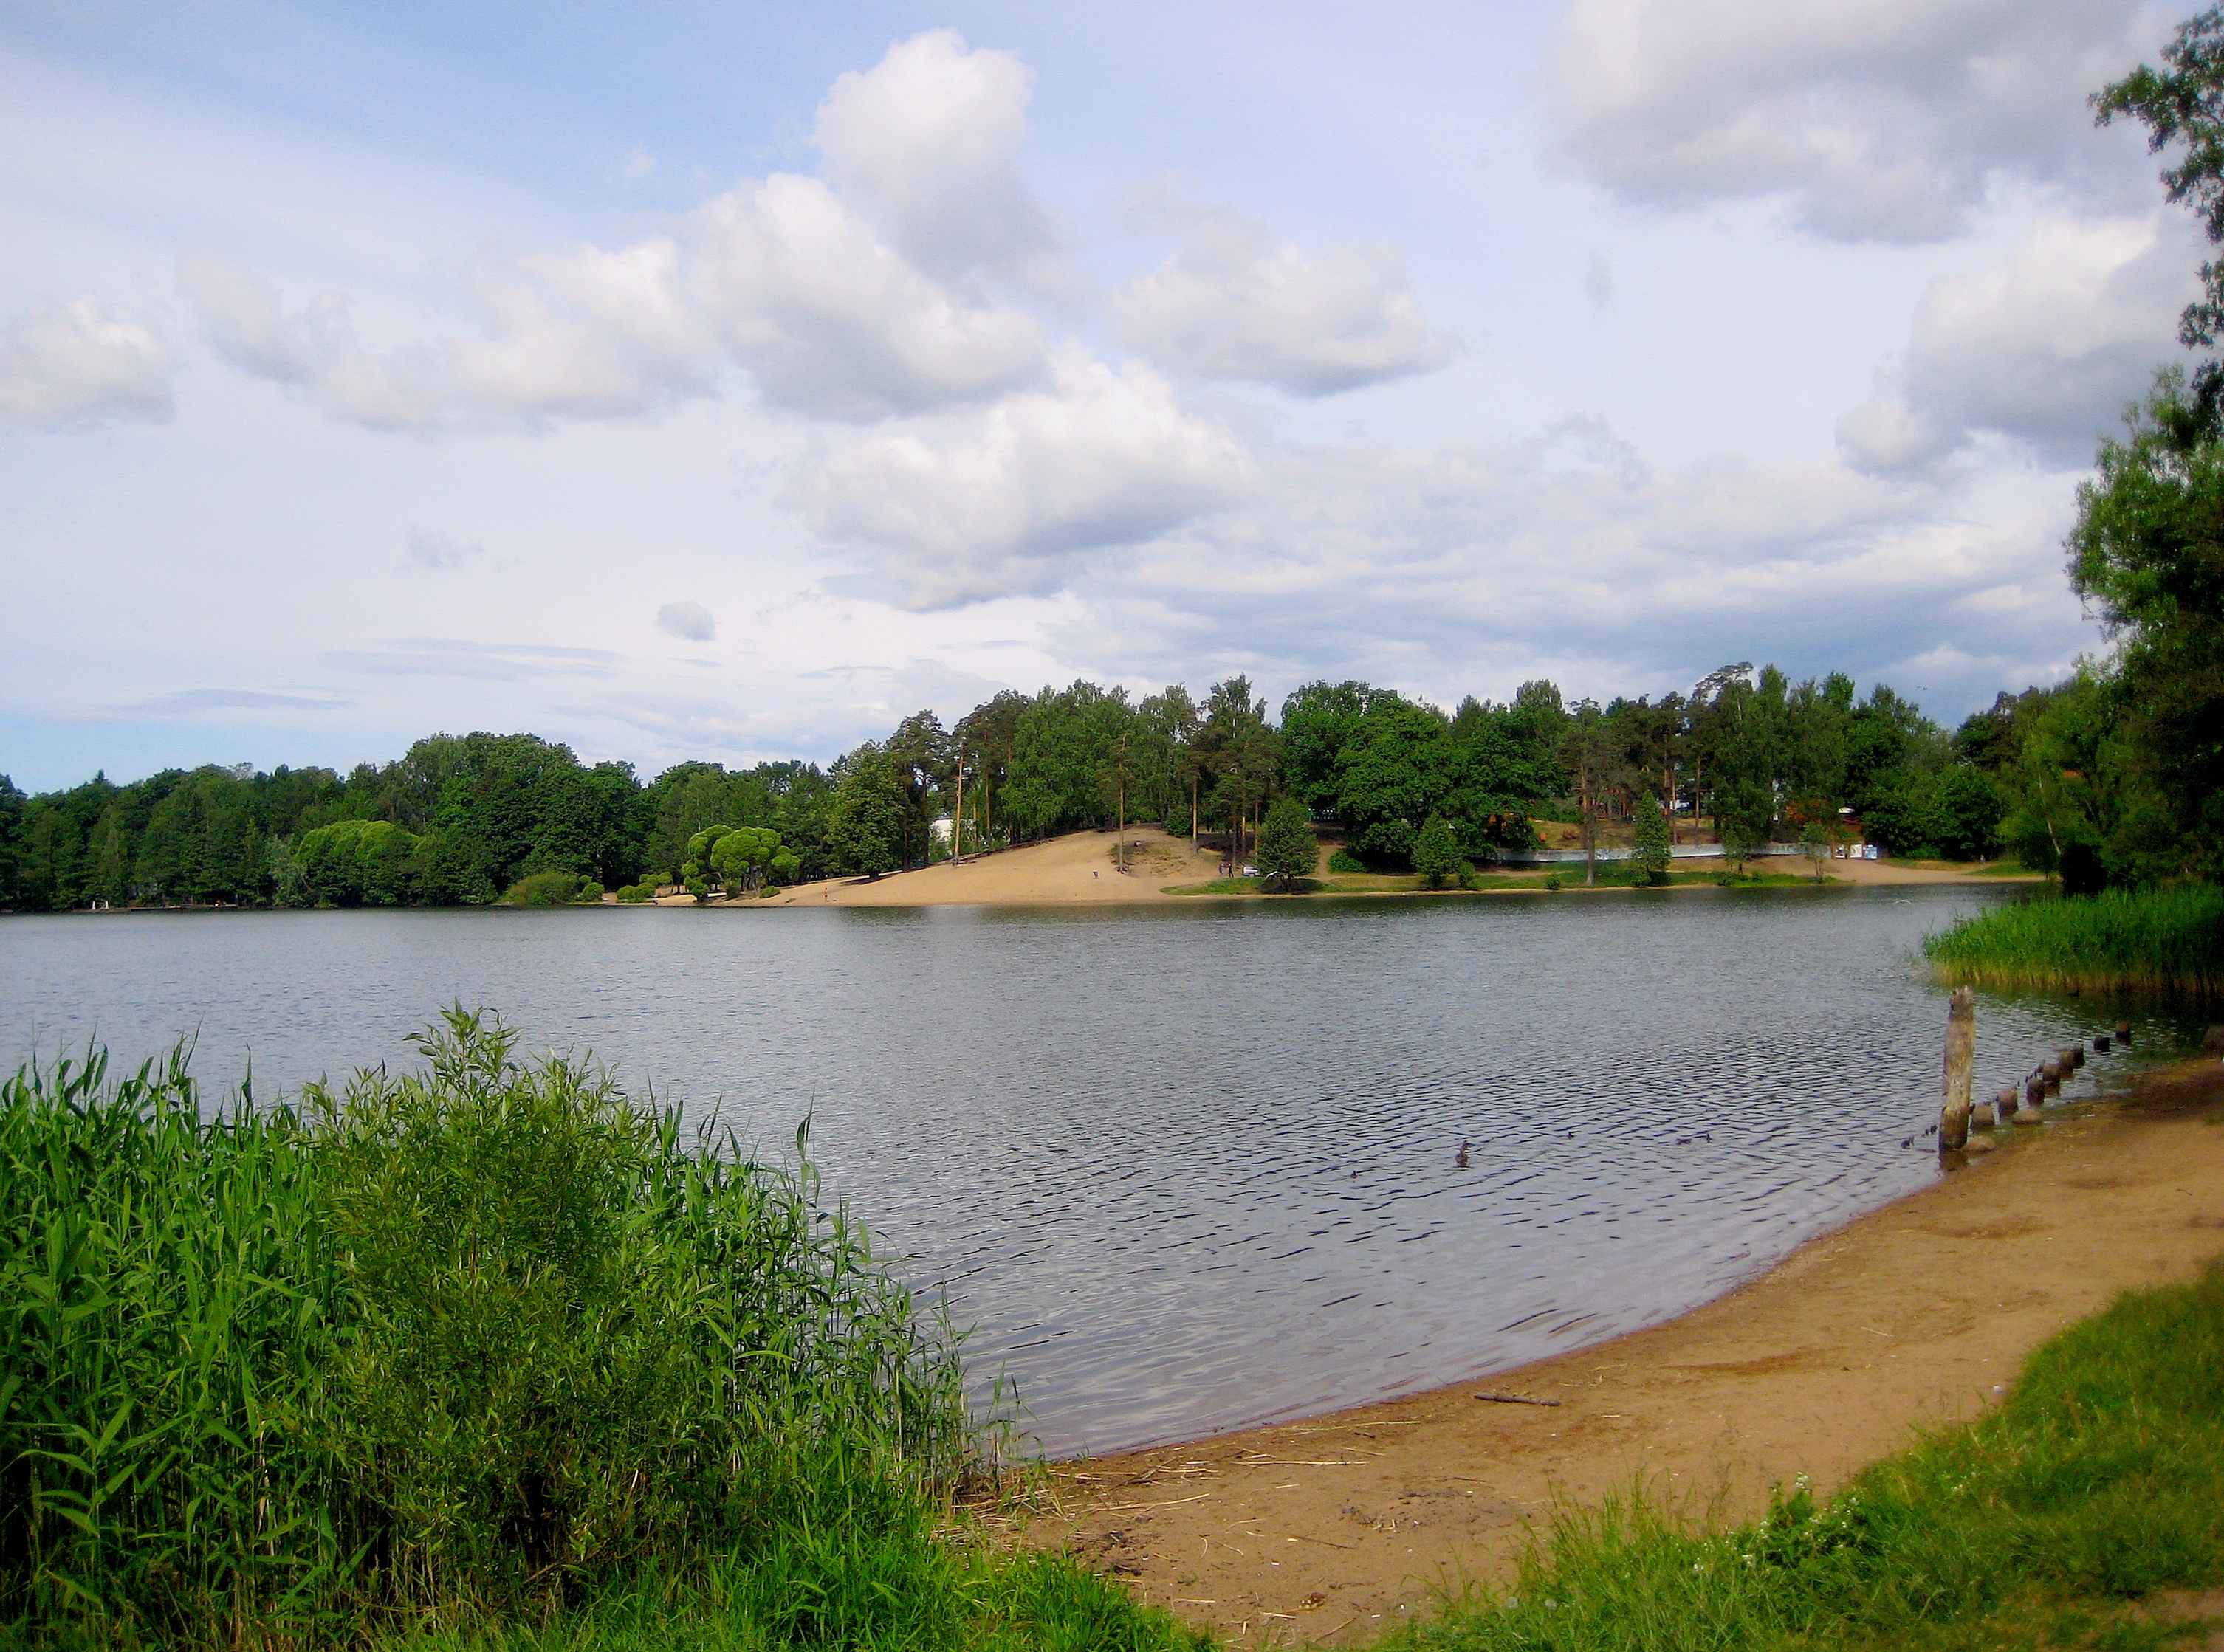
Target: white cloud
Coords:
[[691, 621], [2045, 348], [1230, 304], [833, 322], [1005, 501], [777, 275], [1883, 120], [926, 143], [82, 364]]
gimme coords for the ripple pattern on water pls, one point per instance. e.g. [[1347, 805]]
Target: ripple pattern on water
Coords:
[[1194, 1167]]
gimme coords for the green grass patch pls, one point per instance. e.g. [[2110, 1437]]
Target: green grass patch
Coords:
[[1249, 886], [2164, 939], [2098, 1481], [485, 1354]]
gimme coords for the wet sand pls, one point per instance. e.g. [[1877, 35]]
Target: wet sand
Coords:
[[1335, 1527]]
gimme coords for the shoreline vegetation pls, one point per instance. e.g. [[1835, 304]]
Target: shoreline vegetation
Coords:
[[466, 1355], [2153, 940]]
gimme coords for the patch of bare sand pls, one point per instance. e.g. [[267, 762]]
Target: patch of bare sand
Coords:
[[1335, 1527], [1073, 870], [1078, 869]]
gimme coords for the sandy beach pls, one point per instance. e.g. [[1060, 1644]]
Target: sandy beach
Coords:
[[1335, 1527], [1078, 869]]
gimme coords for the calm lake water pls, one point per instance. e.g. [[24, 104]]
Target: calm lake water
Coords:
[[1184, 1167]]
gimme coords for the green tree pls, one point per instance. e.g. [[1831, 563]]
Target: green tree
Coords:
[[742, 857], [869, 818], [1591, 751], [1436, 852], [1651, 858], [1288, 849], [2148, 553]]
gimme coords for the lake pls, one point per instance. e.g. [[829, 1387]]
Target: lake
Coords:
[[1184, 1167]]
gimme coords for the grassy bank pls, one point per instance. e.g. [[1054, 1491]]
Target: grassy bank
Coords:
[[2098, 1481], [2168, 939], [484, 1353]]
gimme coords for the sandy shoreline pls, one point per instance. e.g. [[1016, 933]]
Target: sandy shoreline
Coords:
[[1077, 869], [1336, 1527]]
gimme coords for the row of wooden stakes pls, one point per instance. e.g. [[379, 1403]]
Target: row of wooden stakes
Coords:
[[1957, 1117]]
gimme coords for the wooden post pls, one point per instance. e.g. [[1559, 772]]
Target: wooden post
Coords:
[[2004, 1105], [2100, 1045], [2123, 1032], [1961, 1054], [2076, 1054], [2034, 1093], [1980, 1116]]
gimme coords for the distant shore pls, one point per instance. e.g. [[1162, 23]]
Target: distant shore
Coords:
[[1078, 869], [1913, 1315]]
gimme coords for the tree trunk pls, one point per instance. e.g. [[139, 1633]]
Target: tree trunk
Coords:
[[1584, 802], [957, 813]]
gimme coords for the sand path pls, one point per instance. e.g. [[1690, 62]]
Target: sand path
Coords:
[[1077, 869], [1338, 1526]]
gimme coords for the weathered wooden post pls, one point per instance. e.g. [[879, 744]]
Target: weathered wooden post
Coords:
[[2004, 1105], [2123, 1032], [2100, 1045], [1961, 1055], [1980, 1116], [2077, 1056], [2034, 1092]]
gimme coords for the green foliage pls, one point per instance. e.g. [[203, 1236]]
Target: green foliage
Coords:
[[2099, 1480], [553, 889], [2168, 938], [743, 857], [1649, 862], [1344, 861], [634, 893], [1552, 885], [474, 1336], [1288, 849], [869, 821], [358, 863], [1436, 852]]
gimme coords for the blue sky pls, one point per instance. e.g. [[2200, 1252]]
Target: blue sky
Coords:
[[691, 381]]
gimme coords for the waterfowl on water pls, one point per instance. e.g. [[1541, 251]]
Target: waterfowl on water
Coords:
[[1460, 1158]]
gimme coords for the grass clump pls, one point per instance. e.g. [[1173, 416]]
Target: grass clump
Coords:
[[2100, 1480], [2170, 939], [485, 1350]]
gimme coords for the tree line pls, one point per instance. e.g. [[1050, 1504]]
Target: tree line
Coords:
[[1744, 756]]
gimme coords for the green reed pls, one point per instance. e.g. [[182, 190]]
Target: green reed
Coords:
[[2162, 939], [486, 1337]]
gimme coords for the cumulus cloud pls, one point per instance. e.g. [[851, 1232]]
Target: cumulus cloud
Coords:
[[1879, 120], [82, 364], [691, 621], [926, 143], [832, 321], [1005, 502], [1231, 304], [2045, 348]]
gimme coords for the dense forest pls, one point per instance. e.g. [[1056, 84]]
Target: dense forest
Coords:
[[2054, 776]]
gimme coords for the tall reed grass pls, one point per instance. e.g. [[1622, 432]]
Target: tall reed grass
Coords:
[[2162, 939], [485, 1338]]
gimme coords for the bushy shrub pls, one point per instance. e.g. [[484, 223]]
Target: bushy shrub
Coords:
[[553, 889], [1344, 861], [634, 893]]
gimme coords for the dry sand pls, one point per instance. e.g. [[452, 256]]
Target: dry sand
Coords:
[[1077, 869], [1336, 1527]]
